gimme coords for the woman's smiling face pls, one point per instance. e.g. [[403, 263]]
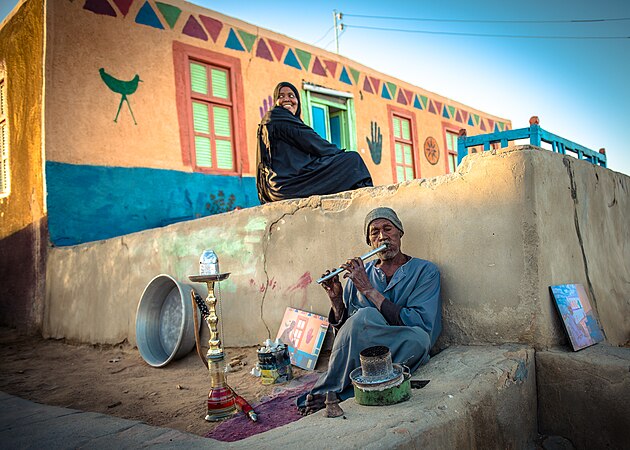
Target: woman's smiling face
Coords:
[[287, 100]]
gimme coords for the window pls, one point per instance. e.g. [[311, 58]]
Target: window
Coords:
[[5, 180], [403, 141], [450, 136], [212, 116], [331, 114], [209, 104]]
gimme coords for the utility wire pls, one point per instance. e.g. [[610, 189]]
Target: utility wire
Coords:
[[325, 34], [419, 19], [513, 36]]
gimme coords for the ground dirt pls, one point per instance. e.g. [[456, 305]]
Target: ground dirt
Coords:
[[115, 380]]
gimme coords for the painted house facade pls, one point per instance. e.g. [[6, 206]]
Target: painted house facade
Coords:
[[124, 115]]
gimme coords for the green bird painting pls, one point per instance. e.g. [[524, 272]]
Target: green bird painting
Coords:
[[124, 88]]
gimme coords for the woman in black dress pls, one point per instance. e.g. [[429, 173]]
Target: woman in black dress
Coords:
[[295, 162]]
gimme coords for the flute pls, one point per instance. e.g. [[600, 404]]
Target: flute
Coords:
[[339, 270]]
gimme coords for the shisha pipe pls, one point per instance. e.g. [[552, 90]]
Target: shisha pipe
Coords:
[[239, 401], [341, 269]]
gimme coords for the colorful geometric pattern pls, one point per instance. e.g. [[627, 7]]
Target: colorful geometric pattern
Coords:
[[262, 51], [331, 66], [277, 48], [318, 68], [213, 26], [304, 57], [194, 29], [169, 12], [124, 5], [146, 16], [156, 14], [291, 60], [344, 78], [233, 42]]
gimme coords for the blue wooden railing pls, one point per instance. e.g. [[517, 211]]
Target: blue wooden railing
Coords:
[[536, 135]]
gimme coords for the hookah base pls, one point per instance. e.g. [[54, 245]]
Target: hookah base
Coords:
[[221, 404]]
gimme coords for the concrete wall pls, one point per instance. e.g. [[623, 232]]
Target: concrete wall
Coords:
[[23, 231], [502, 229]]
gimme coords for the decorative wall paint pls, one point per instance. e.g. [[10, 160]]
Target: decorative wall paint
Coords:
[[213, 26], [318, 68], [146, 16], [262, 51], [297, 58], [277, 48], [194, 29], [233, 42], [169, 12], [267, 104], [376, 143], [124, 88], [99, 7], [124, 5], [117, 200], [344, 76], [291, 60]]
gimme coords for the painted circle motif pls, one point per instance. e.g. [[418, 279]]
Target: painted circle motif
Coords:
[[431, 150]]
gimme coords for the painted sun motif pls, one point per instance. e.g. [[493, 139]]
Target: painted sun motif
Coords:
[[431, 150]]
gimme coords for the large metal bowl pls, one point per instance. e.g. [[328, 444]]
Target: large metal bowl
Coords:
[[164, 321]]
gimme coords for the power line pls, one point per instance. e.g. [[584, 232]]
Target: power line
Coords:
[[512, 36], [420, 19], [325, 34]]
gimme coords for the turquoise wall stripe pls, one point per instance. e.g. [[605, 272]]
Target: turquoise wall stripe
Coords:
[[88, 203]]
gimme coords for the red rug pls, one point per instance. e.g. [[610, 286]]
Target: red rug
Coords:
[[274, 411]]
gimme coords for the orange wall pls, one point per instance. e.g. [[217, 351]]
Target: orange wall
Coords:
[[81, 109]]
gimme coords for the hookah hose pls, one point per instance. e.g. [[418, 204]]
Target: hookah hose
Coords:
[[240, 402]]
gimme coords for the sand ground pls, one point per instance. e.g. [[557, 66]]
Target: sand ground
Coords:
[[115, 380]]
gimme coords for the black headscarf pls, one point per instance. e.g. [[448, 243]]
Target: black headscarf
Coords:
[[276, 94], [263, 158]]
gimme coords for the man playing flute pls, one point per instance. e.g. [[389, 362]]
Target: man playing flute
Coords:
[[392, 301]]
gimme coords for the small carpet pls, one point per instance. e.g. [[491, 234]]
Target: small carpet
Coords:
[[274, 411]]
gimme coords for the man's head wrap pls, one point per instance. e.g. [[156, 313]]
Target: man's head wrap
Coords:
[[381, 213], [276, 94]]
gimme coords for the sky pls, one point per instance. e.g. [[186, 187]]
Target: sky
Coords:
[[579, 87]]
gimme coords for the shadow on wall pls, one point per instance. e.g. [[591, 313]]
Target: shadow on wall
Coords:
[[89, 203]]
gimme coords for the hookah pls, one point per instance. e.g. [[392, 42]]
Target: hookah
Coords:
[[222, 400]]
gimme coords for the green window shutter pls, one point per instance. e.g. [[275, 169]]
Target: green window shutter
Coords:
[[198, 78], [219, 84], [203, 151], [400, 173], [406, 134], [408, 173], [399, 153], [451, 163], [200, 118], [396, 127], [221, 121], [407, 150], [225, 158]]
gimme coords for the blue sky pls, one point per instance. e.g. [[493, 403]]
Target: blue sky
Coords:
[[578, 87]]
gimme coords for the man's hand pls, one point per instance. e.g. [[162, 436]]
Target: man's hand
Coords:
[[356, 272], [334, 290]]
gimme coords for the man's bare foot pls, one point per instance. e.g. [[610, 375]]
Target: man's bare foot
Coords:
[[314, 402], [332, 405]]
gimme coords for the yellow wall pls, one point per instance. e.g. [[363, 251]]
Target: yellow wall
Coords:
[[81, 109], [21, 50]]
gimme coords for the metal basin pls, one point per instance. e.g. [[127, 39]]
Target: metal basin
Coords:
[[164, 321]]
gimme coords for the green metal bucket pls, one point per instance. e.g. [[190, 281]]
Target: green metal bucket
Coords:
[[380, 394]]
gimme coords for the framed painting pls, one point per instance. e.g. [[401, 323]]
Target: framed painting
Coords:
[[578, 317], [304, 333]]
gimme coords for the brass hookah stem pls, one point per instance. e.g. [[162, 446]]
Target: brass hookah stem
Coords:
[[214, 343]]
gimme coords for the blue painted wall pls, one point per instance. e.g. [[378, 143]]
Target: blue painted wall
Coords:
[[88, 203]]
